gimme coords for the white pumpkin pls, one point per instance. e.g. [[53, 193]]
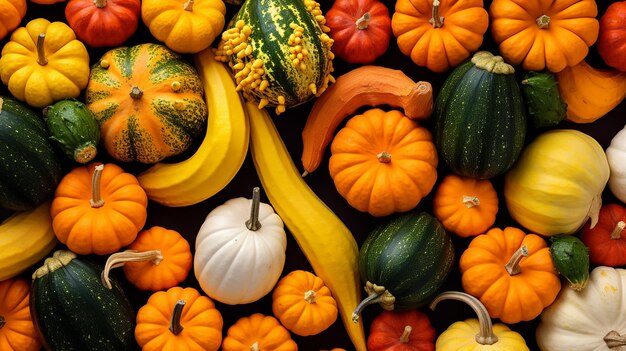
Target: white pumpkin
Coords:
[[591, 320], [616, 155], [240, 251]]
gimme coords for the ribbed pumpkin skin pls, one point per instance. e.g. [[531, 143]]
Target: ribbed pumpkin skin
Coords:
[[411, 256], [29, 168], [159, 124], [480, 122]]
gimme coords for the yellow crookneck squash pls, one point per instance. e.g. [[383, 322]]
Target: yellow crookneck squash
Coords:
[[44, 62], [544, 34], [11, 14]]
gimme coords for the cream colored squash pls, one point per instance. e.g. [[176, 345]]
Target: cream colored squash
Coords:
[[240, 251], [557, 182], [590, 320], [616, 155]]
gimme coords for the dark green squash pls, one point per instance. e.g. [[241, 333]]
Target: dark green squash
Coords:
[[29, 168], [545, 107], [74, 129], [405, 262], [480, 118], [571, 259], [73, 310]]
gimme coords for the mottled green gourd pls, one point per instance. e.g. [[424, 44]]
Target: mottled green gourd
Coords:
[[74, 129], [279, 52], [545, 106], [73, 311], [480, 118], [571, 259]]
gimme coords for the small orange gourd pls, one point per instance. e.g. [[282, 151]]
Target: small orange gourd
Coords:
[[465, 206], [11, 14], [158, 259], [258, 333], [303, 304], [17, 332], [511, 273], [383, 162], [179, 319], [98, 209]]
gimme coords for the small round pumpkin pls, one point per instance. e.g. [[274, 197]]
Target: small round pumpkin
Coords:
[[11, 14], [465, 206], [303, 304], [408, 330], [98, 209], [383, 162], [511, 273], [607, 240], [179, 319], [43, 63], [612, 38], [17, 331], [258, 332], [158, 259], [100, 23]]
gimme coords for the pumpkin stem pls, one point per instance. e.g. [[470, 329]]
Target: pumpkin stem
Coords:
[[175, 326], [2, 322], [253, 223], [41, 53], [310, 296], [376, 294], [436, 20], [543, 21], [617, 231], [100, 3], [384, 157], [255, 346], [119, 259], [614, 340], [404, 338], [363, 22], [136, 93], [470, 201], [96, 197], [513, 265], [485, 336], [188, 5]]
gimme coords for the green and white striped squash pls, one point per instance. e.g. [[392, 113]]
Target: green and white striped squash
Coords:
[[279, 51]]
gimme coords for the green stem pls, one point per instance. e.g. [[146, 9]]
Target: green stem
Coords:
[[175, 326], [253, 223]]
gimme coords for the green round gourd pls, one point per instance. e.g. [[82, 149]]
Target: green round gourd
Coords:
[[571, 259], [480, 118], [545, 107], [29, 168]]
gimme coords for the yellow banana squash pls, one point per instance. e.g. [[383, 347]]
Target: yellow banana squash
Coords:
[[325, 241]]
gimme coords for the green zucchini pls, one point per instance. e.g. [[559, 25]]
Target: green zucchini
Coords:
[[74, 129]]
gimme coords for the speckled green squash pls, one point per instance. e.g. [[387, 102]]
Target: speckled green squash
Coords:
[[405, 262], [480, 118], [571, 259], [73, 311], [265, 38], [29, 168], [148, 101]]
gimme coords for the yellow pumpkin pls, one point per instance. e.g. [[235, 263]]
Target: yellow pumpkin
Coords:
[[44, 62]]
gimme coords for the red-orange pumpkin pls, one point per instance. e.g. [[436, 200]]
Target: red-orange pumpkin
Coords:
[[612, 38], [408, 330], [607, 240]]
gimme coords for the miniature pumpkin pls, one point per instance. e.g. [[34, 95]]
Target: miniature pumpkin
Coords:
[[612, 38], [43, 63], [303, 304], [544, 34], [240, 251], [439, 34], [360, 29], [258, 332], [616, 156], [179, 319], [100, 23], [17, 331], [97, 209], [185, 26], [511, 273], [408, 330], [465, 206], [476, 334], [158, 259], [607, 240], [383, 162], [11, 14]]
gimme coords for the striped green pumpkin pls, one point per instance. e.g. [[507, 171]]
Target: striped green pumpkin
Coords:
[[148, 101], [261, 45], [480, 118]]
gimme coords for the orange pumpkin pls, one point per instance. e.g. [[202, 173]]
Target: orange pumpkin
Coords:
[[544, 34], [408, 330], [383, 162], [465, 206], [98, 209], [258, 332], [179, 319], [11, 14], [158, 259], [439, 34], [511, 273], [303, 304], [17, 332]]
